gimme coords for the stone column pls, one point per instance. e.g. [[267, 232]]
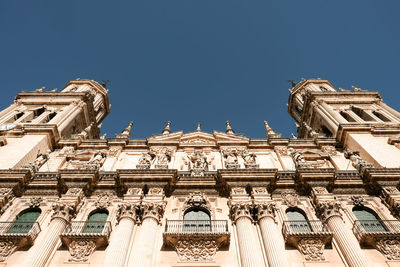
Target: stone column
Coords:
[[328, 210], [73, 112], [117, 250], [274, 244], [249, 246], [152, 208], [39, 254]]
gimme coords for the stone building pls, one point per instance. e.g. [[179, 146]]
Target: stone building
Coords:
[[328, 197]]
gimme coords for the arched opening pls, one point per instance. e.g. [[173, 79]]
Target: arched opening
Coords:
[[25, 221], [368, 219], [38, 112], [96, 222], [18, 115], [196, 220], [381, 116], [297, 220], [50, 117]]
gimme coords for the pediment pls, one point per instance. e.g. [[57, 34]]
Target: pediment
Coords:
[[172, 138], [224, 138], [198, 138]]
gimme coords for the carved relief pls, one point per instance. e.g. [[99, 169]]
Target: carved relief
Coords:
[[282, 150], [146, 160], [81, 250], [331, 150], [357, 200], [356, 161], [197, 200], [34, 202], [390, 248], [37, 163], [134, 191], [249, 159], [231, 158], [196, 250], [163, 157], [198, 163], [290, 199], [320, 190], [96, 161], [104, 200], [6, 249], [312, 249]]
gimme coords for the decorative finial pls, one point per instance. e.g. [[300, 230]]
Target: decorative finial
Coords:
[[293, 83], [229, 129], [53, 90], [198, 127], [126, 133], [103, 136], [269, 131], [167, 129], [40, 90], [293, 136]]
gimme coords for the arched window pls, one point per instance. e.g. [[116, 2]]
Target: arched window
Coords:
[[25, 221], [347, 116], [96, 222], [362, 114], [381, 116], [368, 220], [298, 220], [196, 220]]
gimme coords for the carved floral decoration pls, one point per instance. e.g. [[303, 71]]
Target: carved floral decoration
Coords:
[[290, 199], [390, 248], [103, 200], [312, 249], [197, 200], [196, 250], [7, 247], [81, 250]]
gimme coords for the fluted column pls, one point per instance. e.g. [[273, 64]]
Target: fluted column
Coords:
[[274, 244], [39, 254], [117, 250], [144, 242], [249, 247], [329, 211]]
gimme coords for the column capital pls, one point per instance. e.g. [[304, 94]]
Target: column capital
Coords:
[[63, 210], [153, 210], [127, 210], [241, 209], [328, 209], [265, 210]]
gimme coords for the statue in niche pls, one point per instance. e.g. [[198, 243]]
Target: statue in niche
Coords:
[[231, 158], [299, 159], [146, 160], [38, 162], [249, 160], [356, 161], [198, 164], [163, 156]]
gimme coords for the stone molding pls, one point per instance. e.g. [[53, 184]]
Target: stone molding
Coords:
[[194, 250]]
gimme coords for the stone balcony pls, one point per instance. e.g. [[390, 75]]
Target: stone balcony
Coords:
[[15, 235], [384, 235], [196, 240], [83, 237], [310, 238]]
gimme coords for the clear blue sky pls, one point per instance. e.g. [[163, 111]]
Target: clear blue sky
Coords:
[[192, 61]]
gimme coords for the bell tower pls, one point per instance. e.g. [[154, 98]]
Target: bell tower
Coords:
[[37, 121], [359, 120]]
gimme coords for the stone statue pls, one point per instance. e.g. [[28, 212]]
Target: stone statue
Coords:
[[96, 161], [249, 159], [163, 156], [146, 160], [198, 164], [231, 160]]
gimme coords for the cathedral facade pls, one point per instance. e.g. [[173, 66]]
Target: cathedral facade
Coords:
[[328, 197]]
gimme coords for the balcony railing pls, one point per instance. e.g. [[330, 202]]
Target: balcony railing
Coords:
[[196, 226], [25, 232], [99, 231], [370, 230], [293, 231]]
